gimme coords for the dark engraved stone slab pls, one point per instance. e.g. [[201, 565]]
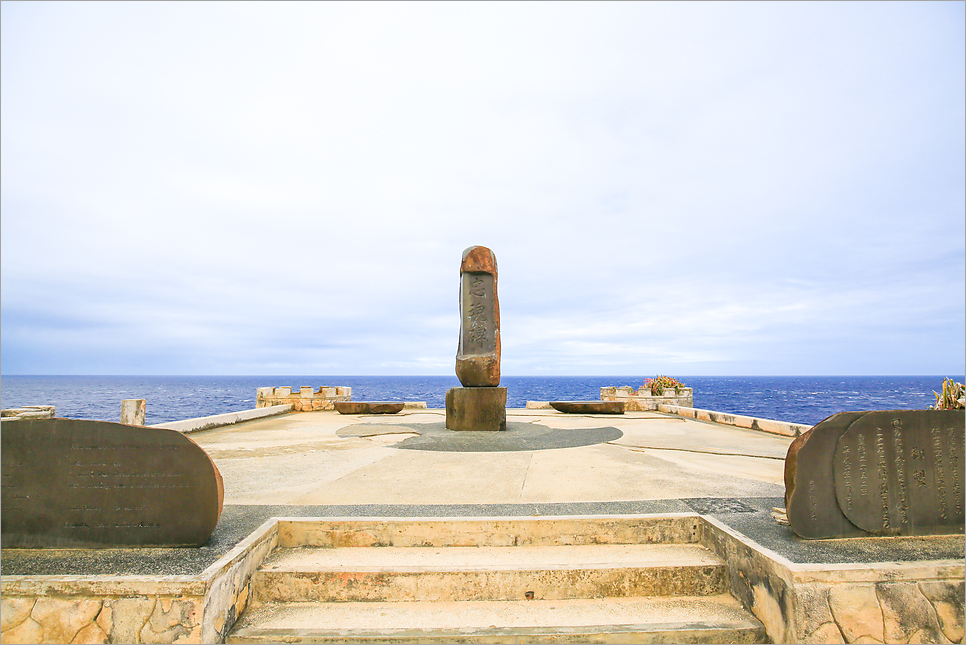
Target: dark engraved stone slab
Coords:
[[368, 407], [478, 355], [588, 407], [810, 501], [900, 472], [70, 483], [476, 408]]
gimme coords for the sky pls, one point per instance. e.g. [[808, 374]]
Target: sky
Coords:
[[675, 188]]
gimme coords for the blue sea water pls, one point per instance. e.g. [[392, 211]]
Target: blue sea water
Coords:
[[798, 399]]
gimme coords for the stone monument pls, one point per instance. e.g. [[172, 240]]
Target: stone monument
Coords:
[[480, 404], [70, 483], [894, 472]]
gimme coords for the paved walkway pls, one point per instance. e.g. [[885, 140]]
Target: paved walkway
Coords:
[[324, 458]]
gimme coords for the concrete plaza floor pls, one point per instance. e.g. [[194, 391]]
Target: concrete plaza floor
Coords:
[[317, 458]]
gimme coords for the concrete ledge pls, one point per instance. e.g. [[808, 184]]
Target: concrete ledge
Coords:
[[218, 420], [764, 425]]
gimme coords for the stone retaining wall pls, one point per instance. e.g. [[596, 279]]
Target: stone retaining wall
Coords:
[[303, 400], [881, 602], [135, 609], [219, 420], [28, 412], [642, 400], [783, 428]]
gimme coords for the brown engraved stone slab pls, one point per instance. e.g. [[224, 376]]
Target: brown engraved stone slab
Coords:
[[900, 472], [368, 407], [70, 483], [478, 355], [810, 502], [589, 407]]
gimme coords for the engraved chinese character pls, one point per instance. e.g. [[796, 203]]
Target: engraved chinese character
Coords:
[[477, 288], [920, 477], [918, 453]]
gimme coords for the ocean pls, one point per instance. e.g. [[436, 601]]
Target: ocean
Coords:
[[797, 399]]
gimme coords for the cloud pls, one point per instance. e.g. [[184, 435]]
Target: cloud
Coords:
[[216, 188]]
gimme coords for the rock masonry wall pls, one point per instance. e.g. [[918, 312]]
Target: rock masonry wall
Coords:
[[122, 609], [305, 399], [158, 619], [642, 400], [28, 412], [884, 602]]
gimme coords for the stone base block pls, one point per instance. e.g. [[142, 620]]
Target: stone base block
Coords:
[[476, 408]]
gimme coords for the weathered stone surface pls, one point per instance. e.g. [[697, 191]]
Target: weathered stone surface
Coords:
[[368, 407], [810, 501], [589, 407], [305, 399], [14, 611], [61, 619], [948, 599], [28, 631], [478, 355], [28, 412], [133, 411], [900, 472], [857, 612], [642, 400], [476, 408], [89, 484], [908, 615]]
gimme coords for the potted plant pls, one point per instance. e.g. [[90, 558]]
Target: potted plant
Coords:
[[660, 383]]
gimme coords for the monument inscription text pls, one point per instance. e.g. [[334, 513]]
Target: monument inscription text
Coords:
[[79, 483]]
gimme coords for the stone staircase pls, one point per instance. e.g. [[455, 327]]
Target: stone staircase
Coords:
[[547, 580]]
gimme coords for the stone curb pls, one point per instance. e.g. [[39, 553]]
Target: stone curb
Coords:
[[219, 420], [783, 428]]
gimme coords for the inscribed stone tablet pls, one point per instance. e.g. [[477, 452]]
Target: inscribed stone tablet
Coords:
[[900, 472], [478, 333], [479, 353], [90, 484], [810, 502]]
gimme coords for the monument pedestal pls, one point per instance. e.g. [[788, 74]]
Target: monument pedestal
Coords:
[[476, 408]]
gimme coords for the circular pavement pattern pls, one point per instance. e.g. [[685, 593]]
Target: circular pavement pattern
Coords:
[[518, 436]]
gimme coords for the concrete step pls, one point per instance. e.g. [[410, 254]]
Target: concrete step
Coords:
[[406, 574], [506, 531], [681, 619]]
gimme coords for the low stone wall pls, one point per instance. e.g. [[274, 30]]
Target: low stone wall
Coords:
[[135, 609], [219, 420], [303, 400], [881, 602], [641, 400], [28, 412], [783, 428]]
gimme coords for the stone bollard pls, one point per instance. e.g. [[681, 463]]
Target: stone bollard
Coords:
[[132, 412]]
